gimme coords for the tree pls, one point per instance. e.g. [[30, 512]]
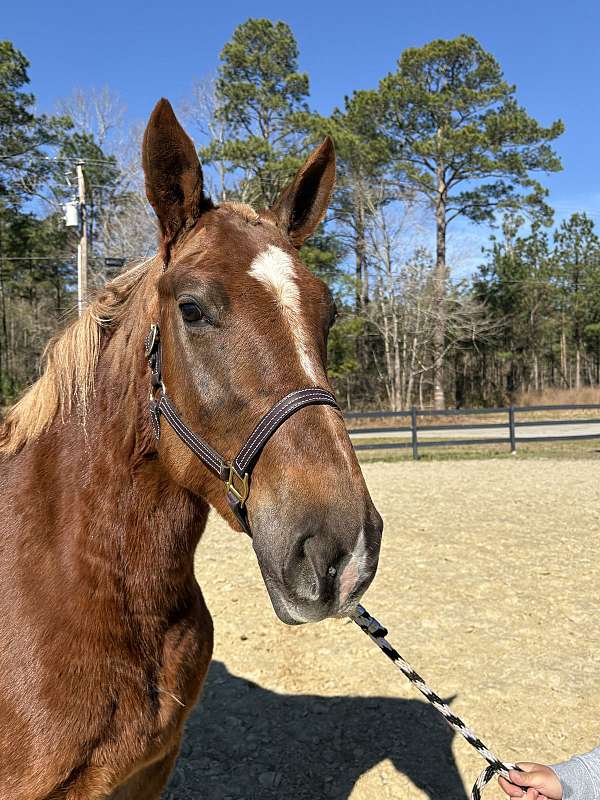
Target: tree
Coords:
[[363, 183], [261, 99], [362, 186], [23, 134], [577, 263], [517, 287], [404, 313], [199, 112], [120, 221], [461, 140], [28, 141], [99, 112]]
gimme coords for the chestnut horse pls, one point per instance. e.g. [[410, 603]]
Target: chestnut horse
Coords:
[[105, 638]]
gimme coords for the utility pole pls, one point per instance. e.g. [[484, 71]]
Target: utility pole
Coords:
[[82, 247]]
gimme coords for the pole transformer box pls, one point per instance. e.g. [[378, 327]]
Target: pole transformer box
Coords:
[[71, 217]]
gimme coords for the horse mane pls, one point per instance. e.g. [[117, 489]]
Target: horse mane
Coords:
[[243, 210], [70, 361]]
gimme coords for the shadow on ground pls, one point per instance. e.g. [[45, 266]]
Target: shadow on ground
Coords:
[[244, 742]]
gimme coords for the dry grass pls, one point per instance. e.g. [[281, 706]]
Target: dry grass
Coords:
[[550, 397], [488, 583]]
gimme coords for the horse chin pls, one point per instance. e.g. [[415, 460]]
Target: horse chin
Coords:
[[288, 611], [292, 613]]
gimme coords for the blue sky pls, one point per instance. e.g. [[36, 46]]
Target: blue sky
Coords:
[[144, 50]]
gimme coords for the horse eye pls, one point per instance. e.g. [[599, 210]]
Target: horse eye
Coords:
[[190, 312]]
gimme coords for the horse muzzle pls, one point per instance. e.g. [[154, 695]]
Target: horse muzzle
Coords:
[[318, 576]]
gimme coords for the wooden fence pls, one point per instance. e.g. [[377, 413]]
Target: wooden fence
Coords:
[[511, 426]]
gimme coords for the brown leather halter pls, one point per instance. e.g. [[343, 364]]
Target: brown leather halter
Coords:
[[236, 473]]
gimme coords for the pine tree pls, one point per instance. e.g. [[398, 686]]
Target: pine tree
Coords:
[[462, 140], [28, 244], [24, 135], [577, 263], [261, 99], [516, 285]]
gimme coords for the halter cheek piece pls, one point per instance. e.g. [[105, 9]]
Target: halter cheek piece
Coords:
[[235, 474]]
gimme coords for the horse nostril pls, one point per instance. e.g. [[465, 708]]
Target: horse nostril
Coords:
[[314, 569], [302, 575]]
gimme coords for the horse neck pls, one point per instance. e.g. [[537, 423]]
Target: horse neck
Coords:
[[130, 516]]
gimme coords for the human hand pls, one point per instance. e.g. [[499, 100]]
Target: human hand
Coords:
[[542, 781]]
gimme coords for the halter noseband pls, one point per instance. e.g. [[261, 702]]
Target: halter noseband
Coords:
[[235, 474]]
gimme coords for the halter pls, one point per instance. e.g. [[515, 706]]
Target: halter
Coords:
[[235, 474]]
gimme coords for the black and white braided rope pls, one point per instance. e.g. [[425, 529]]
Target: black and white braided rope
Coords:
[[377, 633]]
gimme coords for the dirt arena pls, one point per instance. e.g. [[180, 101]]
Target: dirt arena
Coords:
[[489, 582]]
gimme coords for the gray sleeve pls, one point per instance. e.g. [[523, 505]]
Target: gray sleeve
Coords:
[[580, 776]]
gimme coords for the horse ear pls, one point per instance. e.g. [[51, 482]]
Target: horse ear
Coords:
[[173, 173], [303, 204]]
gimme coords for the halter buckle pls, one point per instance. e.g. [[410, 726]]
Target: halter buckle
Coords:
[[241, 495], [155, 389]]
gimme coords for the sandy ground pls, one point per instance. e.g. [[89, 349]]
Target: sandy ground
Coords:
[[489, 584]]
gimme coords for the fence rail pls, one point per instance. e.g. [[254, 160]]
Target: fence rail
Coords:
[[511, 425]]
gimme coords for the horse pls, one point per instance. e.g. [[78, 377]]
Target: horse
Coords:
[[105, 638]]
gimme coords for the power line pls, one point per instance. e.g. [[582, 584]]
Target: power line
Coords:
[[61, 257], [37, 258], [553, 283], [60, 159]]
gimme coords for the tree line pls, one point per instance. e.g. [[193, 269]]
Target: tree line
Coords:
[[441, 139]]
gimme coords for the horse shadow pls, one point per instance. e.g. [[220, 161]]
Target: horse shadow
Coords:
[[245, 742]]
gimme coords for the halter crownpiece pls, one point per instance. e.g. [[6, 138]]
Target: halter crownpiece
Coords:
[[236, 473]]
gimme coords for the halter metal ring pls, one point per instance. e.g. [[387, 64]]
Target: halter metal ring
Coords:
[[154, 390], [241, 494]]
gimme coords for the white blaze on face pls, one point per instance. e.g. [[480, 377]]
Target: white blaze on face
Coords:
[[275, 269]]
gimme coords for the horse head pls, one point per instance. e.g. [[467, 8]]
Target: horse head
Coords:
[[243, 322]]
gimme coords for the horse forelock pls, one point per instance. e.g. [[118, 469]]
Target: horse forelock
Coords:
[[70, 362]]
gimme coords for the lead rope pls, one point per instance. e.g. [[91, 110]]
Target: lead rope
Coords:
[[377, 633]]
